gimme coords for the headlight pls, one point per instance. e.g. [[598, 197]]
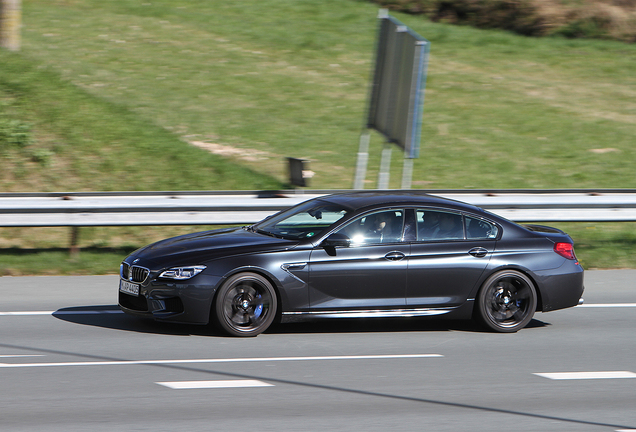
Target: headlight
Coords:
[[181, 273]]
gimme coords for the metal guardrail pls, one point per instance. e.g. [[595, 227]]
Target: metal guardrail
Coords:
[[244, 207]]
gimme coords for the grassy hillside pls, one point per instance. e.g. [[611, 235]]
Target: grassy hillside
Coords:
[[54, 136], [259, 81], [208, 94]]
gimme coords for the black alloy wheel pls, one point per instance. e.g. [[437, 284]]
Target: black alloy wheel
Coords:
[[507, 301], [245, 305]]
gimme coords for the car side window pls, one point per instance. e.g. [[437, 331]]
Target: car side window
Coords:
[[480, 229], [439, 225], [379, 227]]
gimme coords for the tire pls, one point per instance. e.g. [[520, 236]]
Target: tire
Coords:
[[507, 301], [245, 305]]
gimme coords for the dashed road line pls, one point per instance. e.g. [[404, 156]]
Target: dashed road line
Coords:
[[587, 375], [607, 305], [219, 384]]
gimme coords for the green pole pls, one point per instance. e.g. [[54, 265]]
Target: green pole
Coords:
[[10, 22]]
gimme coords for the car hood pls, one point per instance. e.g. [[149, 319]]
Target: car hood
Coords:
[[191, 249]]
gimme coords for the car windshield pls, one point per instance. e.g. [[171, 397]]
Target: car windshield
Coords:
[[303, 221]]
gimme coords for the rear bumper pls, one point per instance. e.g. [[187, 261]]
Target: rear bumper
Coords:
[[560, 288]]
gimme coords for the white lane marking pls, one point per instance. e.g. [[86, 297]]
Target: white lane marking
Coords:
[[21, 355], [587, 375], [607, 305], [88, 312], [189, 385], [228, 360], [79, 312], [27, 313]]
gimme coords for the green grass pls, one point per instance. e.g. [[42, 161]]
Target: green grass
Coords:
[[57, 261], [90, 143], [115, 91], [290, 78]]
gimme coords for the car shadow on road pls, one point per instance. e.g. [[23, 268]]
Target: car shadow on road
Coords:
[[110, 316]]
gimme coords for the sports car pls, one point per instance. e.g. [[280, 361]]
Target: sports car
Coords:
[[357, 254]]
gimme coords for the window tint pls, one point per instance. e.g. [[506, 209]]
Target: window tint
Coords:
[[379, 227], [480, 229], [438, 225]]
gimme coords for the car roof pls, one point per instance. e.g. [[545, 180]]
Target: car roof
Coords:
[[364, 199]]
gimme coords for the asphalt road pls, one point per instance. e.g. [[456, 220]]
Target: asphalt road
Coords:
[[69, 361]]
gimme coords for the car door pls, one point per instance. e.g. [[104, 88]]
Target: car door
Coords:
[[368, 273], [448, 258]]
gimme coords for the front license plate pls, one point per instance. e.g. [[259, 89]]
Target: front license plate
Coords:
[[128, 288]]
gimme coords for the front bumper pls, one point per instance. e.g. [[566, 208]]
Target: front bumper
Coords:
[[184, 302]]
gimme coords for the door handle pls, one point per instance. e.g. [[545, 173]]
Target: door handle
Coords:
[[478, 252], [394, 256]]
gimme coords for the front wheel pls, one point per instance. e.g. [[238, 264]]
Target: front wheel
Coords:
[[506, 301], [245, 305]]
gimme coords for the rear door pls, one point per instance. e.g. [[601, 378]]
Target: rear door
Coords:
[[450, 254]]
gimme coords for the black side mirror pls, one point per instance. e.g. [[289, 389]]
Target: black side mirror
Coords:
[[336, 239]]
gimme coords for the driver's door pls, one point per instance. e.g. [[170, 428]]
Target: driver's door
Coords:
[[369, 273]]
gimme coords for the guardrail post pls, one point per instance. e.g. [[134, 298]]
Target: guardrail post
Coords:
[[74, 248]]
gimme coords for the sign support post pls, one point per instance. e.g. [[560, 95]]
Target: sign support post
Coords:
[[407, 173], [363, 158], [385, 167]]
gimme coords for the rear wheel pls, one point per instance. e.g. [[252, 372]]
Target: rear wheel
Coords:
[[506, 301], [245, 305]]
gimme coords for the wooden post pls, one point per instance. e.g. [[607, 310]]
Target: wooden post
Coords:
[[10, 23], [74, 248]]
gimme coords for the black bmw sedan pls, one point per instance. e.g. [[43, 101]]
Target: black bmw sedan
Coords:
[[359, 254]]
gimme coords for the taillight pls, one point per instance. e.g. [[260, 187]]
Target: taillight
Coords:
[[566, 250]]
